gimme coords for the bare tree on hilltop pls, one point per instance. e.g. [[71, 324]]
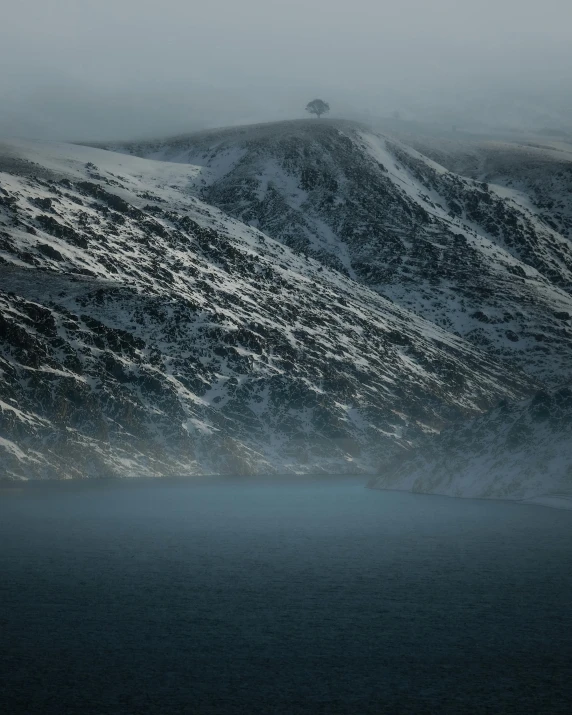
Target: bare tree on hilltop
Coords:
[[317, 107]]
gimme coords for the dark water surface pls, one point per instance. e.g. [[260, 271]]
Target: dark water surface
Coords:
[[227, 597]]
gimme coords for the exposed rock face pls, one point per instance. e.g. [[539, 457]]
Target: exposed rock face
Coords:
[[516, 451], [466, 255], [144, 332]]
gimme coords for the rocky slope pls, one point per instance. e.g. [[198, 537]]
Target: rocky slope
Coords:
[[517, 451], [144, 332], [466, 255], [535, 172]]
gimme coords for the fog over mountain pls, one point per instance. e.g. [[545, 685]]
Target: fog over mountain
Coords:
[[285, 357], [196, 278], [127, 69]]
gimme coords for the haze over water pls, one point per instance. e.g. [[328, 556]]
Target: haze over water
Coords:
[[228, 596]]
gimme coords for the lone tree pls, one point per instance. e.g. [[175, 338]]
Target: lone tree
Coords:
[[317, 107]]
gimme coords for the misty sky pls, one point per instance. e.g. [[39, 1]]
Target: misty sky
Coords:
[[80, 69]]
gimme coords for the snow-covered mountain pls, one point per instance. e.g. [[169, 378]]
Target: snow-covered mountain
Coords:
[[471, 257], [144, 332], [517, 451]]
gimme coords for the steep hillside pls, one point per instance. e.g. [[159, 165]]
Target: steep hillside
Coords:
[[144, 332], [517, 451], [537, 171], [463, 254]]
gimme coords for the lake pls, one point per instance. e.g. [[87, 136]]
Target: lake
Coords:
[[308, 596]]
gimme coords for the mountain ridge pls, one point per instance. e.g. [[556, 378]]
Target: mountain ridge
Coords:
[[145, 332], [441, 245]]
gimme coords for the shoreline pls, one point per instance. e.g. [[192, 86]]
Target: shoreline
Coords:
[[560, 501]]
